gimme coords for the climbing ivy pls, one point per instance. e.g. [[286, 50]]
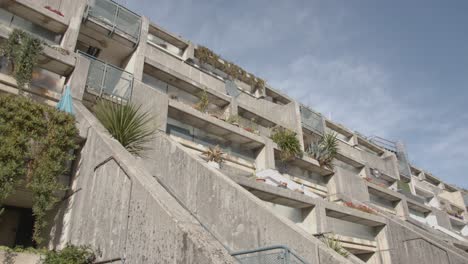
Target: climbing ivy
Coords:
[[36, 143], [23, 51]]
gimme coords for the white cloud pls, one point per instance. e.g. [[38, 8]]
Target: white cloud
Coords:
[[349, 91]]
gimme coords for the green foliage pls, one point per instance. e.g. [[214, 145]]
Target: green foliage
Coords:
[[23, 50], [35, 146], [207, 56], [325, 150], [203, 101], [30, 250], [232, 119], [336, 245], [287, 142], [70, 255], [127, 124]]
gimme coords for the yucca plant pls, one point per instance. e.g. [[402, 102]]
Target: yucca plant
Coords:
[[214, 154], [287, 143], [127, 124], [325, 150], [336, 245]]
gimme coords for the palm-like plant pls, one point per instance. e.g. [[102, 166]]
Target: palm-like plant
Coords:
[[325, 150], [336, 245], [127, 124], [214, 154]]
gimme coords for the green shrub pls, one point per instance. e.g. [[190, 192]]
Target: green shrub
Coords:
[[23, 50], [35, 145], [70, 255], [207, 56], [203, 101], [336, 245], [287, 142], [127, 124]]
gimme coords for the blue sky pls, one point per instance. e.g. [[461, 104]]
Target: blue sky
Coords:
[[396, 69]]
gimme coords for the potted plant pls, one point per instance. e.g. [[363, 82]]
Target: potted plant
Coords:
[[214, 156], [283, 185], [287, 143], [249, 129]]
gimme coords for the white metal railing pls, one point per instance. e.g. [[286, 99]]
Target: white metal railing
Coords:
[[116, 17], [106, 80]]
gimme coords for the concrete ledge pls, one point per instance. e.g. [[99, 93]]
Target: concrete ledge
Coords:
[[215, 126], [307, 163], [33, 11], [18, 258], [384, 192], [297, 200]]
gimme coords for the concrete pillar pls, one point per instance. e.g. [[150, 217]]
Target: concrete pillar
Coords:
[[316, 220], [78, 78], [71, 35], [298, 128], [152, 101], [137, 61], [189, 52], [266, 156], [402, 210], [353, 140]]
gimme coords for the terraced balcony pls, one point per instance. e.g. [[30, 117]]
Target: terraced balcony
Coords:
[[108, 81]]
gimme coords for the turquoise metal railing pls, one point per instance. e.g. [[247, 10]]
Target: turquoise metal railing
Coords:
[[116, 17], [109, 81]]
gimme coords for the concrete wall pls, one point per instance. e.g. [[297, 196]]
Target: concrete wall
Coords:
[[233, 215], [155, 54], [121, 210]]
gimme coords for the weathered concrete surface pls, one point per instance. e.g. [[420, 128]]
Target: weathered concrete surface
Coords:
[[233, 215], [120, 210], [399, 232], [18, 258]]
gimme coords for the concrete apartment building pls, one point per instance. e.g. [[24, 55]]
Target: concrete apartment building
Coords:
[[173, 207]]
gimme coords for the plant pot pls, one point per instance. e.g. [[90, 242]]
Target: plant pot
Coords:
[[213, 164], [283, 185]]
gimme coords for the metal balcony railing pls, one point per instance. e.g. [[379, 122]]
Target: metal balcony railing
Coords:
[[116, 17], [311, 120], [108, 81], [268, 255]]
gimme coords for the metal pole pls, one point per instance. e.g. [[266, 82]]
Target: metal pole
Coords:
[[103, 79]]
